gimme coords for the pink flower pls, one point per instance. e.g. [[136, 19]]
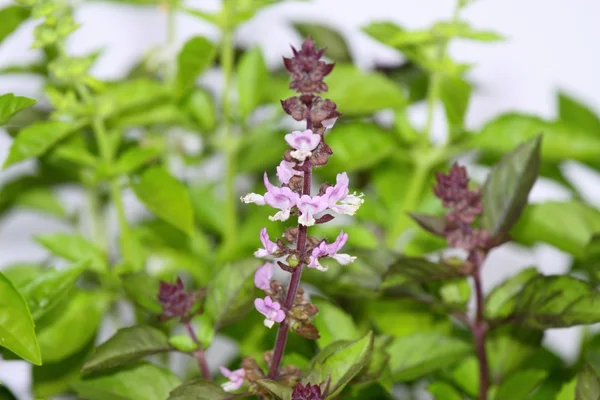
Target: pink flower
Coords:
[[338, 198], [271, 310], [263, 275], [303, 143], [319, 251], [285, 171], [309, 206], [281, 198], [332, 250], [236, 379], [268, 246], [253, 198], [329, 123]]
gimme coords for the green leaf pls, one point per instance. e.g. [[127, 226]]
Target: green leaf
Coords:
[[278, 389], [200, 390], [84, 311], [129, 96], [411, 270], [588, 385], [166, 197], [42, 200], [252, 75], [455, 93], [417, 355], [340, 361], [160, 114], [443, 391], [568, 226], [135, 158], [204, 329], [463, 30], [52, 379], [36, 139], [509, 347], [11, 104], [20, 274], [127, 345], [135, 382], [567, 391], [74, 248], [12, 17], [416, 317], [561, 141], [17, 332], [577, 114], [201, 107], [323, 36], [507, 187], [359, 146], [520, 385], [507, 290], [230, 292], [360, 93], [554, 302], [183, 343], [143, 290], [196, 55], [50, 287], [333, 324]]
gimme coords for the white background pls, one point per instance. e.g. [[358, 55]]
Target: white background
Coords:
[[551, 45]]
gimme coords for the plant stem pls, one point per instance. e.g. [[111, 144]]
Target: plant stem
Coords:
[[480, 328], [107, 157], [294, 284], [227, 55], [199, 354]]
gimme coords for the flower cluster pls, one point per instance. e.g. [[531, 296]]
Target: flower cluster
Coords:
[[293, 198], [465, 205], [176, 302]]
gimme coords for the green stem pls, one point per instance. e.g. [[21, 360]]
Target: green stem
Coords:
[[107, 157], [227, 56]]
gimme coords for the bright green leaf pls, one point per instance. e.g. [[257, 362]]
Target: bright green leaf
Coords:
[[443, 391], [333, 324], [561, 141], [577, 114], [76, 325], [135, 382], [340, 361], [411, 270], [455, 94], [135, 158], [183, 343], [20, 274], [422, 353], [143, 290], [567, 391], [230, 293], [359, 93], [507, 187], [507, 290], [554, 302], [50, 287], [196, 55], [204, 329], [11, 104], [568, 226], [588, 385], [252, 75], [160, 114], [166, 197], [43, 200], [359, 146], [199, 390], [36, 139], [74, 248], [127, 345], [17, 332], [201, 107], [12, 17], [129, 96], [509, 347], [325, 37], [520, 385]]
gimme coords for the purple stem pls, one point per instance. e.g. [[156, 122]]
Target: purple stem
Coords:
[[282, 333], [479, 329], [199, 354]]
